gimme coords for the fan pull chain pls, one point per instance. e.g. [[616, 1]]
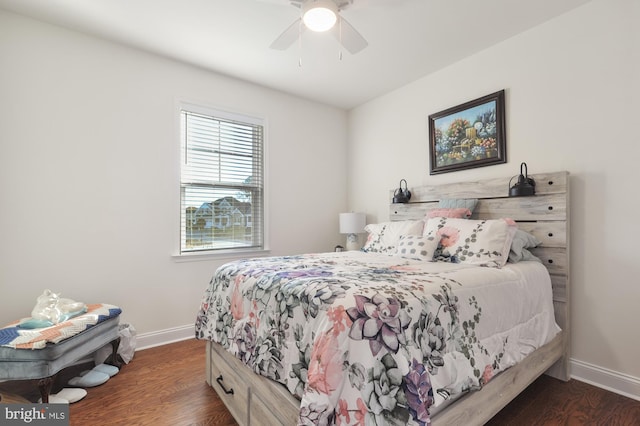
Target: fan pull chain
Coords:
[[300, 45], [340, 38]]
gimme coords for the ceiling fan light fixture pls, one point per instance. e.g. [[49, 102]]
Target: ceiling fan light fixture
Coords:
[[320, 15]]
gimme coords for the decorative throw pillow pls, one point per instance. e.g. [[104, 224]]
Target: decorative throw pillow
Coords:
[[458, 203], [522, 241], [460, 213], [384, 237], [477, 242], [417, 247]]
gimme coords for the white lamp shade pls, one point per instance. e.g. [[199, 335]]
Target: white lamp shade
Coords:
[[352, 223], [319, 15]]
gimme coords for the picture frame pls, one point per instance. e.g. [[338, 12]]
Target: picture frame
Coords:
[[468, 135]]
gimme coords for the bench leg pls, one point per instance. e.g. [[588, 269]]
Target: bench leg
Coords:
[[45, 388], [113, 358]]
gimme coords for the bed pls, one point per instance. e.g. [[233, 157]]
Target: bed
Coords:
[[382, 338]]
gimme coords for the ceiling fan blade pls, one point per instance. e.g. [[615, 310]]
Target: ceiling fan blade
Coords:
[[348, 36], [289, 36]]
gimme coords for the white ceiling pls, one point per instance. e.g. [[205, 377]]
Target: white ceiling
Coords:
[[408, 39]]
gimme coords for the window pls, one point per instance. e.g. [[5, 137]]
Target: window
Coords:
[[221, 181]]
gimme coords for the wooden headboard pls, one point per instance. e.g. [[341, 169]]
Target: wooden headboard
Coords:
[[545, 215]]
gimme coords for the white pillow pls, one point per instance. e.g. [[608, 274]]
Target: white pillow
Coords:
[[417, 247], [477, 242], [384, 237]]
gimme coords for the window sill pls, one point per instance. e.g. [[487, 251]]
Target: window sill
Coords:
[[222, 255]]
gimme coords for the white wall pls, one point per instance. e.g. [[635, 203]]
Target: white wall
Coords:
[[89, 170], [572, 90]]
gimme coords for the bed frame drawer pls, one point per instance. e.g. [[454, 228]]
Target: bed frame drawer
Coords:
[[262, 413], [268, 403], [230, 387]]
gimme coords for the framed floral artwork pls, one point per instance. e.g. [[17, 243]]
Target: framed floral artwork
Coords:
[[468, 135]]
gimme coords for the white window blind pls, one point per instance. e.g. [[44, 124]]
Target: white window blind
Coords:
[[221, 182]]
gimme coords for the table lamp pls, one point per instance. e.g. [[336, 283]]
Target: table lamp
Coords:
[[352, 224]]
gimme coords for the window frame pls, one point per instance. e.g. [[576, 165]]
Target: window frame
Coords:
[[224, 114]]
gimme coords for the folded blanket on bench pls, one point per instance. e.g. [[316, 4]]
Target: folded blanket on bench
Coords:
[[16, 337]]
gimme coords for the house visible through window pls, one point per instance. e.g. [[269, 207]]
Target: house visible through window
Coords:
[[221, 182]]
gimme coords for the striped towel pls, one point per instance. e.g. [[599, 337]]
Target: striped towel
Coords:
[[13, 336]]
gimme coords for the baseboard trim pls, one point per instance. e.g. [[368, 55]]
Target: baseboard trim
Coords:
[[164, 337], [610, 380]]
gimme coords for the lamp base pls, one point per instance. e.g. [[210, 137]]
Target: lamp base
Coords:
[[353, 242]]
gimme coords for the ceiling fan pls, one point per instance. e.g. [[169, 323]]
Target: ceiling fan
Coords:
[[320, 16]]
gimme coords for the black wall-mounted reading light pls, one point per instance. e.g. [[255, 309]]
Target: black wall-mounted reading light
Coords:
[[402, 195], [525, 185]]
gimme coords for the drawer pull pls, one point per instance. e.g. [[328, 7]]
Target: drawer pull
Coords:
[[219, 380]]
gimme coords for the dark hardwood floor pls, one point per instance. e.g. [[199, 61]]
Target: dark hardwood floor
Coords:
[[166, 386]]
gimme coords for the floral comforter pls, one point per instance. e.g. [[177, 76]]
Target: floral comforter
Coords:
[[370, 339]]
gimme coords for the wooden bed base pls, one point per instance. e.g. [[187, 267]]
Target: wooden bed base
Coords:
[[256, 400]]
